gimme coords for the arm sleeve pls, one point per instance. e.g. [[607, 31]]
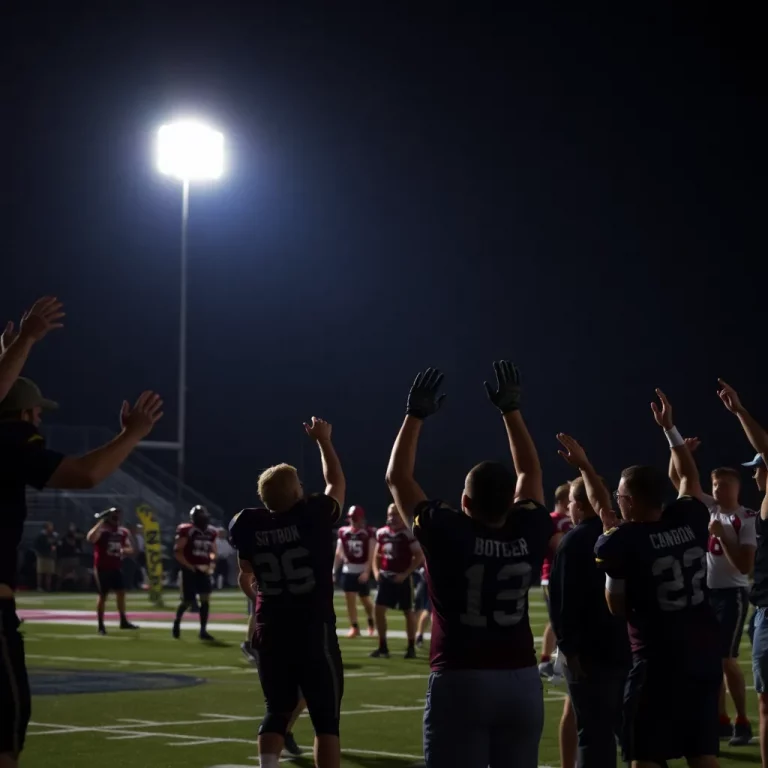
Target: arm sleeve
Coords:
[[238, 536], [36, 462], [326, 506], [610, 554], [428, 515], [748, 532]]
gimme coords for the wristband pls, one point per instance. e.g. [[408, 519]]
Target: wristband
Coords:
[[674, 438]]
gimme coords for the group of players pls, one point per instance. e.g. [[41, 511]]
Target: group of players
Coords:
[[624, 586]]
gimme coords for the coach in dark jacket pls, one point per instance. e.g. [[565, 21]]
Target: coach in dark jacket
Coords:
[[593, 641]]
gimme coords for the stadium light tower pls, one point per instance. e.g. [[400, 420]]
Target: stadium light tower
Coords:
[[188, 151]]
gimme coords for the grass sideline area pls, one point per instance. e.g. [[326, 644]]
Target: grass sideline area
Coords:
[[213, 723]]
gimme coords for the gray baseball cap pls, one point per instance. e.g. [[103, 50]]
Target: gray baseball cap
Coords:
[[23, 395]]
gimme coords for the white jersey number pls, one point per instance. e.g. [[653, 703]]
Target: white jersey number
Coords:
[[273, 574], [681, 585], [355, 547], [475, 575]]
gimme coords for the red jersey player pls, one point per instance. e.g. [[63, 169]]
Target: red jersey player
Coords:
[[195, 549], [111, 543], [355, 550], [396, 557], [562, 524]]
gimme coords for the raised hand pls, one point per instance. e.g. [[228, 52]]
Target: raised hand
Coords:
[[42, 317], [318, 429], [729, 397], [7, 337], [423, 399], [142, 417], [574, 454], [663, 415], [506, 396], [693, 443]]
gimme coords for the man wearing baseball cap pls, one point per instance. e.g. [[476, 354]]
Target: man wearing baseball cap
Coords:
[[25, 461]]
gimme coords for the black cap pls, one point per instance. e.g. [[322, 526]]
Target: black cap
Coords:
[[24, 395]]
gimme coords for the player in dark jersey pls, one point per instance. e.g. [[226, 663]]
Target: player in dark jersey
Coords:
[[484, 703], [396, 557], [354, 552], [25, 461], [655, 564], [758, 437], [111, 543], [195, 549], [285, 550]]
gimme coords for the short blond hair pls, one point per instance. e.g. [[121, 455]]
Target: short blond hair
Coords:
[[562, 492], [276, 485]]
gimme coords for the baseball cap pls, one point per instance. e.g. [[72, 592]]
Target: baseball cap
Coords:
[[756, 462], [23, 395]]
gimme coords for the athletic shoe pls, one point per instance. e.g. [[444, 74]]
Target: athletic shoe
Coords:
[[371, 631], [249, 653], [725, 731], [410, 653], [420, 641], [102, 631], [742, 735], [291, 746], [176, 631], [353, 632], [127, 625], [205, 636], [379, 653], [546, 669]]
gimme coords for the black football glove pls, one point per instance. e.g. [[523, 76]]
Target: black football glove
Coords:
[[423, 399], [507, 395]]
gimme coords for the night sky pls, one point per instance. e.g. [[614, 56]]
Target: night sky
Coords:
[[583, 194]]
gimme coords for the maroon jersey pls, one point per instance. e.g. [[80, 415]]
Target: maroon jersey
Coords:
[[562, 524], [356, 545], [478, 579], [396, 548], [200, 542], [108, 549], [292, 558]]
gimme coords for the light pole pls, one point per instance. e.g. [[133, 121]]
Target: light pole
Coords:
[[189, 151]]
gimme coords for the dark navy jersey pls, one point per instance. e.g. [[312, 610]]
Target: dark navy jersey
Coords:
[[759, 593], [664, 567], [292, 557], [24, 460], [478, 579]]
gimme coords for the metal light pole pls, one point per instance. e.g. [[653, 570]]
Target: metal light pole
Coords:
[[189, 151]]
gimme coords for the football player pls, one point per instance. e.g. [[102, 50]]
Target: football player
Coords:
[[195, 549], [285, 558], [563, 524], [485, 703], [656, 567], [354, 552], [396, 557], [421, 605], [111, 543], [730, 560]]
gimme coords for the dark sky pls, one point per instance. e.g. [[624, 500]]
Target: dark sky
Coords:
[[583, 194]]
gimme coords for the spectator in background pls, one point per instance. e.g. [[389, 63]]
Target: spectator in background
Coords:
[[45, 549], [69, 553], [226, 555]]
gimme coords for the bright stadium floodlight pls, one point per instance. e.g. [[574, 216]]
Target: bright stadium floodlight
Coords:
[[189, 151]]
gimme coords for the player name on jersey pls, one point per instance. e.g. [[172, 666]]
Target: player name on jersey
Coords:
[[672, 538], [278, 536], [494, 548]]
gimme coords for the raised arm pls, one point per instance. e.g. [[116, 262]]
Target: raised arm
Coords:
[[599, 496], [684, 463], [693, 443], [757, 436], [424, 400], [335, 482], [93, 535], [44, 316], [506, 397]]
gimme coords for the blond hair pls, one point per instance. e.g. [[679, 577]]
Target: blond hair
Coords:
[[277, 485], [562, 492]]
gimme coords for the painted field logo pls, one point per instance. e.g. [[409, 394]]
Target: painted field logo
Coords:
[[58, 682]]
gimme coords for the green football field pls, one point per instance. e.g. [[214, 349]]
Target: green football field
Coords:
[[210, 716]]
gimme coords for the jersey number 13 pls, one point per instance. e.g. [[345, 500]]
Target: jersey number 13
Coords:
[[510, 601]]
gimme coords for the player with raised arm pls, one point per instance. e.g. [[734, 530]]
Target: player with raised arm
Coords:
[[195, 550], [563, 524], [25, 461], [396, 556], [285, 567], [730, 559], [44, 316], [655, 564], [111, 543], [354, 552], [758, 438], [484, 703]]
